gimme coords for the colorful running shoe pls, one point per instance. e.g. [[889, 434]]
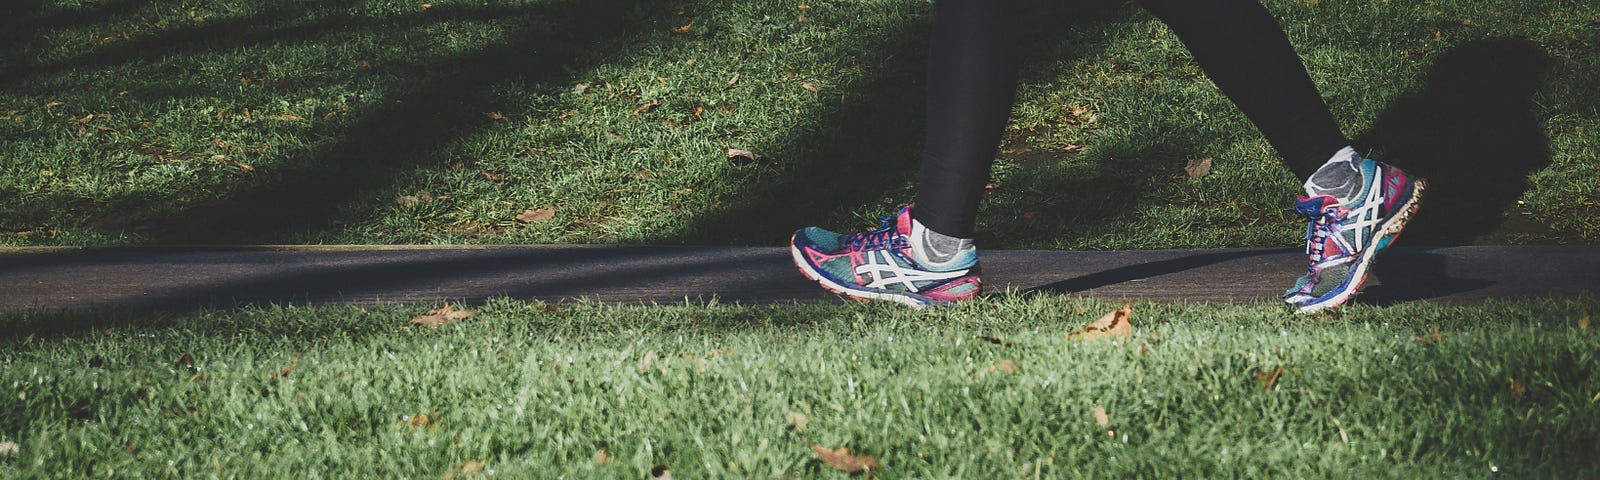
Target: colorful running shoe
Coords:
[[1341, 240], [880, 265]]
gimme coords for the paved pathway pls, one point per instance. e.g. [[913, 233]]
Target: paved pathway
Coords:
[[186, 277]]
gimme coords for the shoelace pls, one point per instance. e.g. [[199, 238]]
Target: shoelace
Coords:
[[1319, 230], [881, 238]]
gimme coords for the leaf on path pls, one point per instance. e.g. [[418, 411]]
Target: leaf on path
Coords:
[[1198, 168], [1100, 417], [442, 315], [646, 108], [1114, 324], [536, 215], [742, 157], [841, 459], [1267, 379]]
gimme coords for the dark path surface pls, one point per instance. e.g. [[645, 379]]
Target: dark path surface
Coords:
[[187, 278]]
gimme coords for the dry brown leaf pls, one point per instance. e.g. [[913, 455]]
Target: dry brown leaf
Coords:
[[580, 89], [536, 215], [733, 80], [647, 360], [1100, 417], [290, 117], [293, 363], [1433, 335], [699, 110], [424, 7], [1198, 168], [601, 457], [797, 419], [195, 17], [1310, 3], [808, 86], [442, 315], [1005, 366], [185, 361], [1266, 379], [470, 467], [496, 116], [221, 145], [742, 157], [646, 108], [841, 459], [1583, 323], [1518, 389], [491, 176], [1114, 324], [8, 449], [683, 29]]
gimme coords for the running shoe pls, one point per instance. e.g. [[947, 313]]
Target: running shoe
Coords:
[[1342, 240], [880, 265]]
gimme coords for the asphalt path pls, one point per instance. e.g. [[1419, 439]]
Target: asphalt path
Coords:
[[190, 277]]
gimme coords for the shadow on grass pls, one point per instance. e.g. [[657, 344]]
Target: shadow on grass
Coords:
[[1472, 132]]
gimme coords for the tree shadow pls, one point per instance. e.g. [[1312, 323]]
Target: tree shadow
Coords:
[[1473, 133]]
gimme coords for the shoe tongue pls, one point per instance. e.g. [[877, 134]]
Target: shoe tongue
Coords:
[[1313, 206], [902, 221]]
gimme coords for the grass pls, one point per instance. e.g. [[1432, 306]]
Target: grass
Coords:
[[385, 121], [988, 390]]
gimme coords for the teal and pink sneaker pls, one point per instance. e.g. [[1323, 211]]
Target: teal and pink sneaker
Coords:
[[1342, 240], [880, 265]]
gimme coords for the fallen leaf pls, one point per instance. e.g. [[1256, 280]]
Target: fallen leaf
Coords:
[[698, 110], [601, 457], [797, 419], [808, 86], [293, 363], [1266, 379], [407, 200], [195, 17], [441, 316], [683, 29], [1433, 335], [1005, 366], [742, 157], [1310, 3], [1100, 417], [647, 360], [804, 6], [291, 117], [217, 142], [8, 449], [1114, 324], [733, 80], [1583, 323], [580, 89], [421, 420], [1517, 389], [646, 108], [185, 361], [536, 215], [496, 116], [470, 467], [493, 177], [841, 459], [424, 7], [1198, 168]]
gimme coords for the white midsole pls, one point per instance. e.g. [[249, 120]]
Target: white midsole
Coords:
[[1393, 226], [814, 275]]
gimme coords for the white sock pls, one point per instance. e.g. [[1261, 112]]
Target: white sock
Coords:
[[1340, 177], [934, 248]]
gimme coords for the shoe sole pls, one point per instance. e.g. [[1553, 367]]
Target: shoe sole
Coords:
[[1386, 236], [857, 294]]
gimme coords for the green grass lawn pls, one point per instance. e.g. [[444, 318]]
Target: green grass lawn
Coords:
[[994, 389], [384, 121]]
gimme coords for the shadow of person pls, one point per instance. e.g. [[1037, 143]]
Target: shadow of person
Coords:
[[1473, 134]]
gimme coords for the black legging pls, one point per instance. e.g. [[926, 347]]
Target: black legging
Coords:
[[972, 81]]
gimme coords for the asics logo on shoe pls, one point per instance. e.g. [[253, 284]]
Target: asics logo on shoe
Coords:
[[883, 272]]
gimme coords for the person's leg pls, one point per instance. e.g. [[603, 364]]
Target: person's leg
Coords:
[[1244, 51], [1356, 206], [972, 76], [924, 255]]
